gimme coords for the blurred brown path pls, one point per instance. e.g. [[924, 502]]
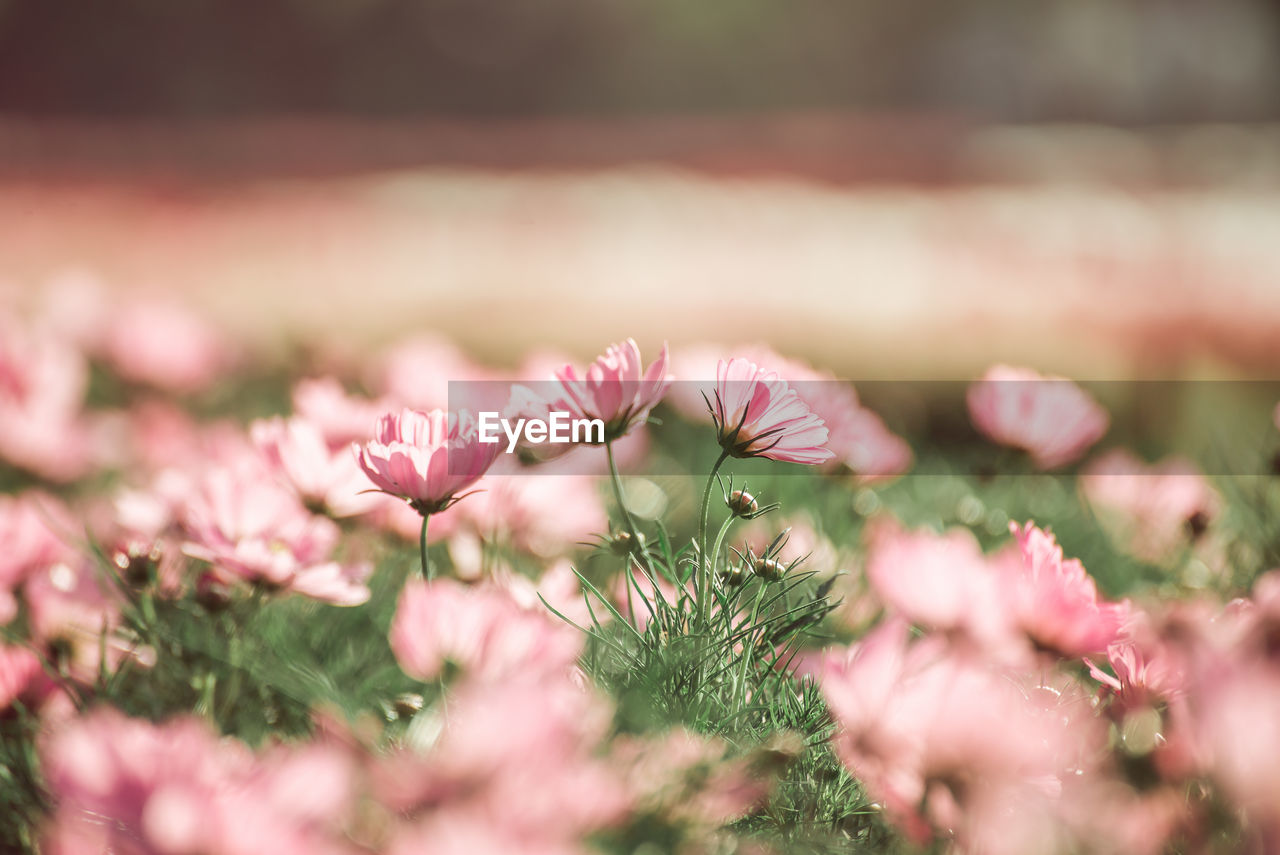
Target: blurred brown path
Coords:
[[1091, 251]]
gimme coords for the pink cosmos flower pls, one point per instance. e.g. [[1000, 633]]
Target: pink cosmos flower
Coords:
[[1236, 728], [416, 372], [1147, 672], [757, 414], [33, 528], [614, 388], [1055, 602], [932, 730], [341, 418], [940, 581], [127, 785], [426, 458], [482, 629], [42, 386], [165, 345], [557, 585], [250, 528], [545, 515], [692, 778], [71, 613], [517, 767], [1148, 507], [324, 477], [1049, 417], [857, 438], [861, 441], [697, 365], [20, 668]]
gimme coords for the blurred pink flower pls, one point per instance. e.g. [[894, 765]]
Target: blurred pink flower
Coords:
[[690, 778], [426, 458], [1055, 601], [74, 616], [42, 386], [481, 629], [33, 529], [1149, 507], [517, 767], [757, 414], [416, 372], [857, 437], [615, 388], [341, 418], [165, 345], [1049, 417], [324, 477], [127, 785], [248, 527], [547, 515], [76, 306], [557, 585], [19, 669], [1238, 709], [931, 730], [939, 581], [1147, 673]]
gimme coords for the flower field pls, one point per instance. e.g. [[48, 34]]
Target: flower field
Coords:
[[296, 603]]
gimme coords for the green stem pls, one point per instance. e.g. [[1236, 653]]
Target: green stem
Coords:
[[748, 648], [616, 480], [422, 548], [702, 580], [719, 542]]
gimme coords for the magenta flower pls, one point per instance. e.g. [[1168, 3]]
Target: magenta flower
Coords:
[[757, 414], [426, 458], [614, 388], [1055, 601], [1050, 418]]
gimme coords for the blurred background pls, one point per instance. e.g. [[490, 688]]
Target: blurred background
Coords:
[[895, 188]]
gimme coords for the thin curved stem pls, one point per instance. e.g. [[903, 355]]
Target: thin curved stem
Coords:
[[719, 542], [422, 548], [616, 480], [703, 577]]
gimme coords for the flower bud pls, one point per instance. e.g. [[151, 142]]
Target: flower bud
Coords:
[[134, 565], [212, 593], [1197, 524], [733, 575], [406, 705], [742, 503], [769, 569], [622, 543]]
